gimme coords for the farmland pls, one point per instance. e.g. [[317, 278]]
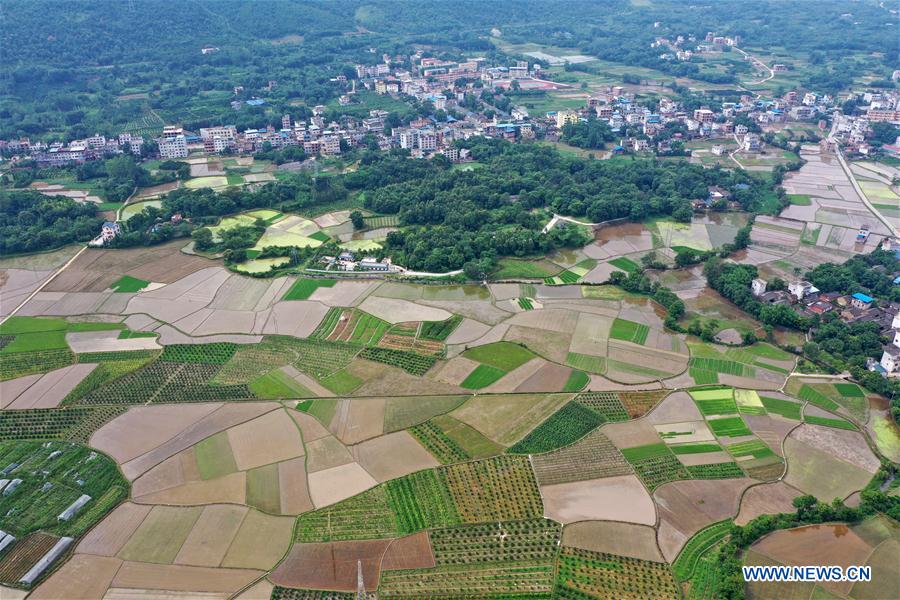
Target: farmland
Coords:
[[484, 419]]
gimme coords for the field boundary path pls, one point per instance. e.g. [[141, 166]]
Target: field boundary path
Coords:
[[862, 194], [43, 285]]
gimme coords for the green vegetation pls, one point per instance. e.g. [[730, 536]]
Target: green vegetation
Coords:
[[53, 476], [586, 574], [512, 541], [511, 268], [217, 353], [277, 384], [799, 199], [728, 470], [686, 563], [302, 289], [567, 425], [73, 423], [695, 448], [655, 464], [412, 363], [785, 408], [341, 382], [438, 443], [501, 355], [729, 427], [439, 330], [626, 264], [129, 284], [826, 422], [629, 331], [481, 377], [814, 396], [52, 222], [586, 362], [576, 382], [754, 448], [607, 404], [525, 304]]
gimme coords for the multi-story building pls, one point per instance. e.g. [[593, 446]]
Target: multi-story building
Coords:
[[173, 144], [704, 115]]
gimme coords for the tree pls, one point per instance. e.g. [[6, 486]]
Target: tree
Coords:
[[203, 238], [358, 220]]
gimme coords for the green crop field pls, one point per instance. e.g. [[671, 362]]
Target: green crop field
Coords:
[[576, 382], [779, 406], [75, 423], [510, 541], [728, 470], [129, 284], [411, 362], [567, 425], [436, 441], [655, 464], [721, 406], [302, 289], [586, 574], [721, 365], [525, 304], [54, 475], [826, 422], [729, 427], [695, 448], [626, 264], [278, 384], [814, 396], [505, 356], [510, 268], [586, 362], [754, 448], [686, 563], [439, 330], [629, 331]]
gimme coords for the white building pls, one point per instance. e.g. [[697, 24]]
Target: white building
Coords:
[[758, 287], [173, 144], [801, 289], [890, 359]]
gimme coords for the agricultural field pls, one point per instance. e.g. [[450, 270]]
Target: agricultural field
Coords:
[[468, 427]]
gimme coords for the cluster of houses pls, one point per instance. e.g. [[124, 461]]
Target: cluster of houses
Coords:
[[75, 152], [348, 261], [809, 301]]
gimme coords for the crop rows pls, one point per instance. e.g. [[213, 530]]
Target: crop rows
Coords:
[[282, 593], [382, 221], [755, 448], [593, 457], [814, 396], [525, 303], [208, 354], [582, 573], [655, 465], [324, 329], [497, 489], [365, 516], [321, 359], [102, 374], [421, 500], [607, 404], [20, 364], [721, 365], [531, 540], [74, 423], [118, 355], [439, 331], [24, 553], [706, 580], [826, 422], [702, 377], [727, 470], [686, 563], [785, 408], [569, 424], [637, 404], [530, 580], [586, 362], [398, 341], [252, 360], [412, 363], [718, 406], [164, 381], [629, 331], [367, 329], [729, 427], [438, 443], [53, 474]]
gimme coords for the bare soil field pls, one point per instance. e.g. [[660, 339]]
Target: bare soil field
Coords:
[[83, 576], [629, 434], [211, 536], [611, 537], [507, 418], [179, 578], [260, 542], [111, 534], [769, 498], [333, 485], [96, 269], [293, 487], [686, 507], [326, 453], [51, 388], [819, 473], [358, 419], [270, 438], [392, 455], [332, 565], [620, 498], [549, 378], [675, 407]]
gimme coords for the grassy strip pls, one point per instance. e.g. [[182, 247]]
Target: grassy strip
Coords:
[[686, 562]]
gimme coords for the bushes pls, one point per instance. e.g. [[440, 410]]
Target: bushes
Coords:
[[569, 424]]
